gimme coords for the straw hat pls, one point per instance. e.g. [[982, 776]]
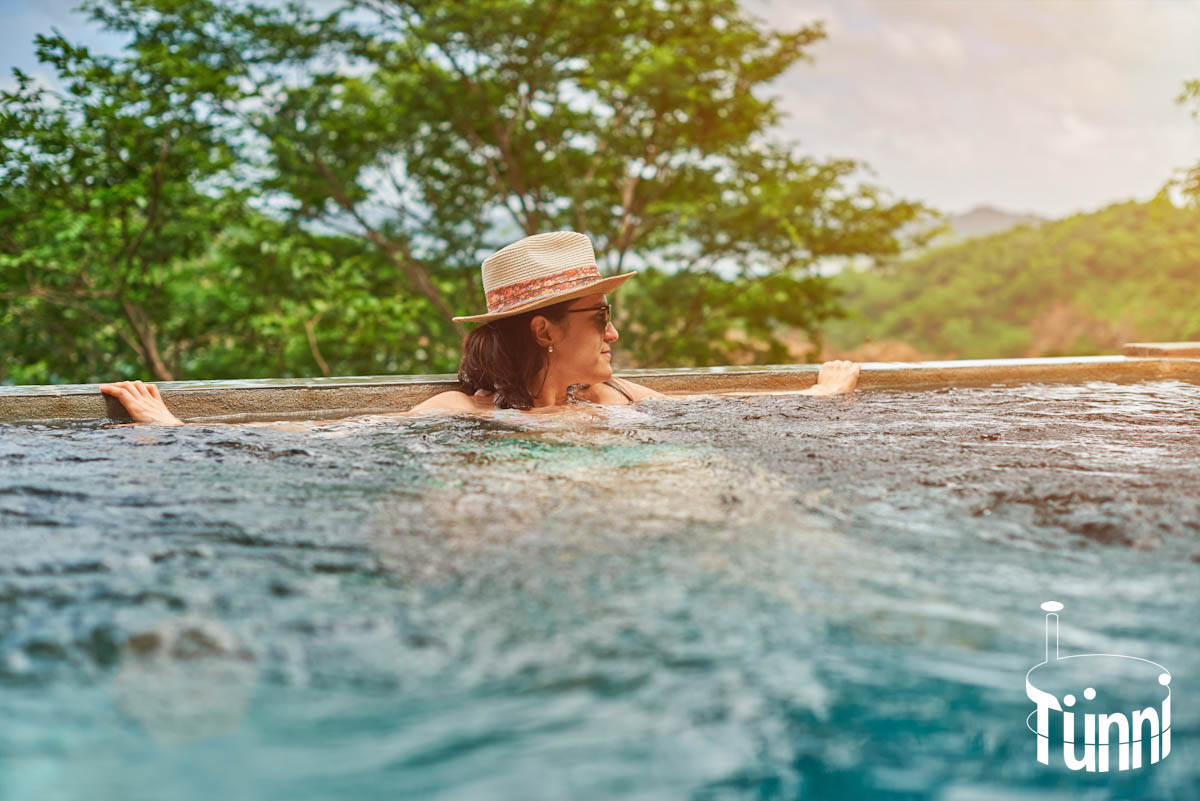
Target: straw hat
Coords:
[[541, 270]]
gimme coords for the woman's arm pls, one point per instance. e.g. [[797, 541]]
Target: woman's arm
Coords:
[[145, 405], [451, 401], [835, 378]]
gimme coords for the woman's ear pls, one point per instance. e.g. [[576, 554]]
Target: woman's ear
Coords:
[[539, 326]]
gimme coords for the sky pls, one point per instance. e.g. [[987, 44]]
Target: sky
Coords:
[[1044, 106]]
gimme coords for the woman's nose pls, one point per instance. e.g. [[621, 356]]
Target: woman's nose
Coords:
[[610, 332]]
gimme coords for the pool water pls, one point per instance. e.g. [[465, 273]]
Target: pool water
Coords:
[[775, 597]]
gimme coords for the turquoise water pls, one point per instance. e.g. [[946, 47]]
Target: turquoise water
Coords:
[[782, 597]]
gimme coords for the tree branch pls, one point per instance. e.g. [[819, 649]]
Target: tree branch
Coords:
[[144, 330], [155, 199], [395, 251], [68, 302], [503, 134], [312, 343]]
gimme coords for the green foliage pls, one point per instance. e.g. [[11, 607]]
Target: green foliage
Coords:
[[688, 319], [1190, 96], [1077, 286], [251, 190], [109, 192]]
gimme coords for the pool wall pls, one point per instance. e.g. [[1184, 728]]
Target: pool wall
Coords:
[[329, 398]]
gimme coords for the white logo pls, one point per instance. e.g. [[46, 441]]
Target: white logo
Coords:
[[1112, 732]]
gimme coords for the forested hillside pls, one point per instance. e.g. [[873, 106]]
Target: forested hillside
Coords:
[[1081, 285]]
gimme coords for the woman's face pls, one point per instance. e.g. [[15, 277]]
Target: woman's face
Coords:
[[582, 348]]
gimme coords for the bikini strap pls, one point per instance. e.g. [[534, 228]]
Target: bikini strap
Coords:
[[619, 389]]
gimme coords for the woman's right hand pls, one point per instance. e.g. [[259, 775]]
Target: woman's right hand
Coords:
[[142, 401], [835, 378]]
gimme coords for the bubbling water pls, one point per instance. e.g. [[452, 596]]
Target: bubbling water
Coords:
[[771, 597]]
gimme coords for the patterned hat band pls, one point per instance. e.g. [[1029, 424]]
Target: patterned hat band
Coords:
[[514, 294]]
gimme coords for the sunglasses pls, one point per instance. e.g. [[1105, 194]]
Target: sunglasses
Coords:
[[602, 319]]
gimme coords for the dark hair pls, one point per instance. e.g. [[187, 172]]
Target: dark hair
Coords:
[[503, 357]]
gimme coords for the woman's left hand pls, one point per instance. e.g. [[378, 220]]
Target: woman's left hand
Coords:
[[142, 401]]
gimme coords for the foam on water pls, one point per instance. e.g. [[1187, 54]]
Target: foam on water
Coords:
[[771, 597]]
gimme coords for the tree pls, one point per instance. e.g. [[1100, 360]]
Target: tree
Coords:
[[641, 123], [432, 132], [107, 192], [127, 247]]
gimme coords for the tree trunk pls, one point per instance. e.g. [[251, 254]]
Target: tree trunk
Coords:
[[143, 329]]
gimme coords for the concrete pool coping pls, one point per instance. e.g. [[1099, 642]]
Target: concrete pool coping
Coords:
[[329, 398], [1189, 350]]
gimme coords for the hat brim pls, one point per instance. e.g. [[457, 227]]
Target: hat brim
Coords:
[[603, 286]]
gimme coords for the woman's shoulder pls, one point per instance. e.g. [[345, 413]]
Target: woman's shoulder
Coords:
[[617, 391], [455, 401], [637, 391]]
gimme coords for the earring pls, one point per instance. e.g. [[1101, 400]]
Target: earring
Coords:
[[550, 349]]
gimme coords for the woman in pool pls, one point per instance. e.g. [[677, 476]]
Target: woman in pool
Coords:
[[546, 340]]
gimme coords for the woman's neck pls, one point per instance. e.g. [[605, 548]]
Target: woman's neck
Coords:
[[549, 389]]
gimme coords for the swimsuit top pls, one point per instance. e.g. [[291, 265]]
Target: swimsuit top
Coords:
[[574, 387], [618, 389]]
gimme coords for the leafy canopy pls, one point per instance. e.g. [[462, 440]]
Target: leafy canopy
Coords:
[[254, 189]]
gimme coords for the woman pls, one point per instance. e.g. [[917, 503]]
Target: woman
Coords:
[[546, 340]]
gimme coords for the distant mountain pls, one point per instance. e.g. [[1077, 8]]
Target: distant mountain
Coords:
[[985, 221], [978, 222]]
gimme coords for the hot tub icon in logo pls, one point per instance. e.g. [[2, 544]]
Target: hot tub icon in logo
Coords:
[[1112, 710]]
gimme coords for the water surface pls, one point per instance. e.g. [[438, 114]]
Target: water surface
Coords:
[[778, 597]]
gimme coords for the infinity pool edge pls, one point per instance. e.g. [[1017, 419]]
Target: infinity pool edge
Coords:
[[330, 398]]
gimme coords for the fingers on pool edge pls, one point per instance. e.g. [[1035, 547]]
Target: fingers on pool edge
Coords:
[[125, 396], [134, 388]]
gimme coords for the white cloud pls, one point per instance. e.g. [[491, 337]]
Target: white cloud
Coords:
[[1075, 135], [1053, 106], [931, 44]]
